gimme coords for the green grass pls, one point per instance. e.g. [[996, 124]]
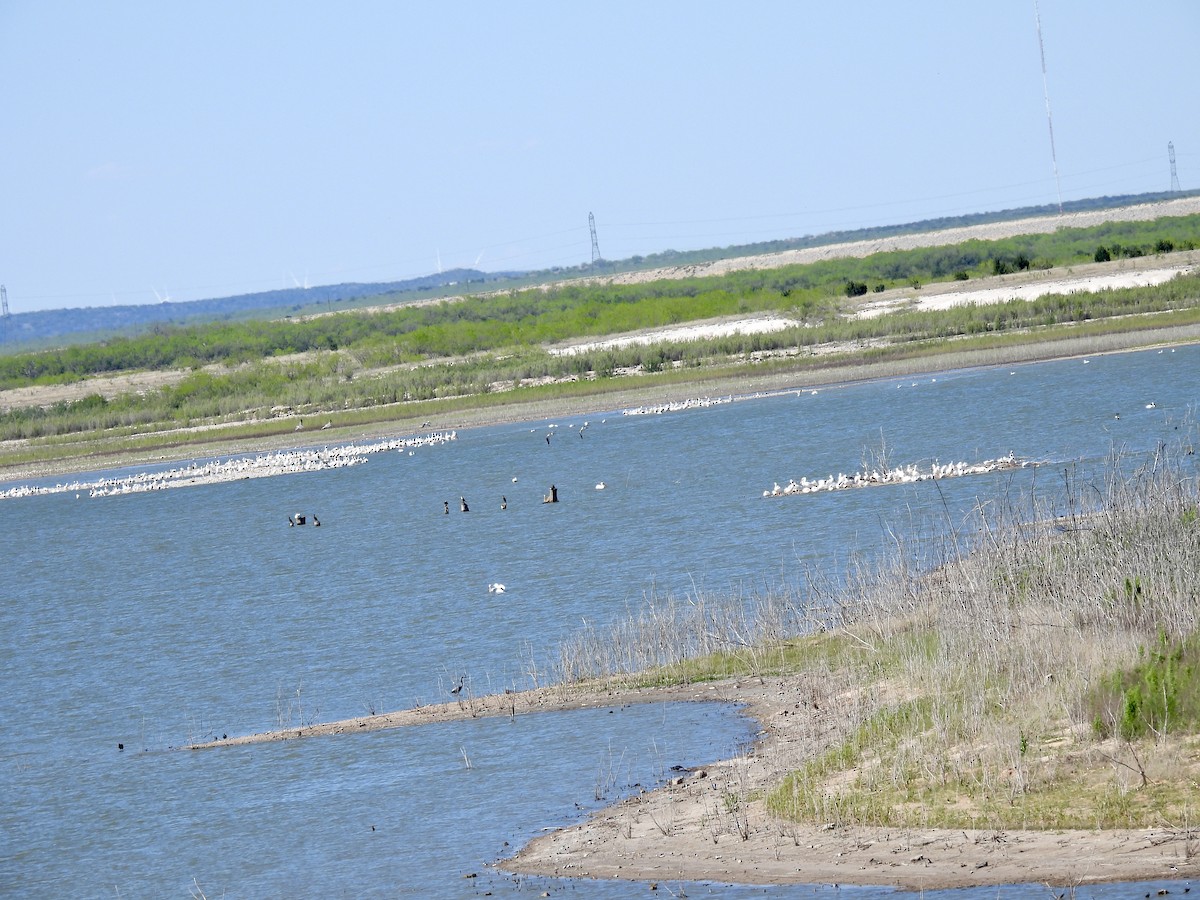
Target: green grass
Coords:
[[1161, 692]]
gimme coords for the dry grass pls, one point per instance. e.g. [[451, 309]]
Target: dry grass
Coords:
[[1036, 674], [1005, 649]]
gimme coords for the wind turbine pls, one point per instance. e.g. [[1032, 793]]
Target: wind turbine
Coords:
[[162, 298], [298, 284]]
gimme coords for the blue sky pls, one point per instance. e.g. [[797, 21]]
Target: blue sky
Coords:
[[206, 149]]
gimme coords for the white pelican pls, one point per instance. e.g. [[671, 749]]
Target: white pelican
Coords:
[[496, 588]]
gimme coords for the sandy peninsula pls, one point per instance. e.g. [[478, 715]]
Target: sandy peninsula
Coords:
[[688, 830]]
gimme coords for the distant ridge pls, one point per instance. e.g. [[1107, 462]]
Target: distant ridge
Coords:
[[45, 328], [56, 326]]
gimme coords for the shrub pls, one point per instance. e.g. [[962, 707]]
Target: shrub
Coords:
[[1157, 694]]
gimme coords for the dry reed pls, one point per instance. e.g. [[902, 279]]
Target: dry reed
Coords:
[[968, 677]]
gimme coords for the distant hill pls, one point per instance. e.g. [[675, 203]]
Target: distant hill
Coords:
[[54, 327], [33, 330]]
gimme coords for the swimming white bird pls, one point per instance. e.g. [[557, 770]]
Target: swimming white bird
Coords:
[[1150, 405], [496, 588], [600, 486]]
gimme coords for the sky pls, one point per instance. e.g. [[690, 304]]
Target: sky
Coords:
[[158, 150]]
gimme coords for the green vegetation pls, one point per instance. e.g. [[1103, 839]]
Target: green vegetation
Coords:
[[534, 317], [328, 382], [1158, 694], [250, 378]]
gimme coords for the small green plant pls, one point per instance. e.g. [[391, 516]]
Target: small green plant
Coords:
[[1156, 695]]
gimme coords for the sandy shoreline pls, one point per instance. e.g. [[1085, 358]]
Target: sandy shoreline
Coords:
[[689, 830]]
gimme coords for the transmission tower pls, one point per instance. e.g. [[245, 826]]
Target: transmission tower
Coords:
[[1046, 93], [595, 243], [1174, 174], [5, 315]]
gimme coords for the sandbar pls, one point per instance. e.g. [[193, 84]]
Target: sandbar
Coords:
[[688, 829]]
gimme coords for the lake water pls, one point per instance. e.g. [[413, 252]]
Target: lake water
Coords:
[[156, 619]]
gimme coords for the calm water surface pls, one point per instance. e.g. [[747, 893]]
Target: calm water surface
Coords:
[[156, 619]]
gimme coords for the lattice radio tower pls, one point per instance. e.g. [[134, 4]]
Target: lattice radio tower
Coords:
[[595, 243], [1174, 174]]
